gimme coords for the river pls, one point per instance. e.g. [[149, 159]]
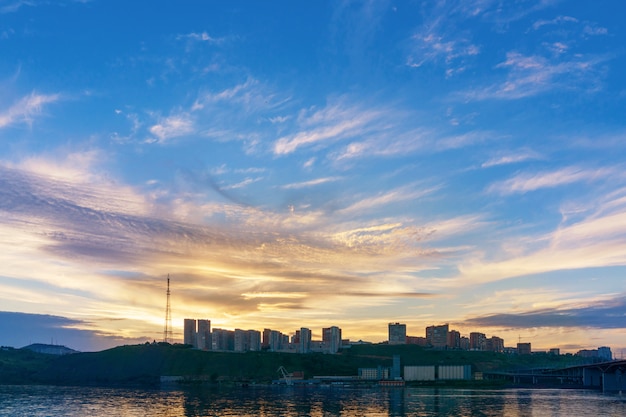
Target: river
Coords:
[[39, 401]]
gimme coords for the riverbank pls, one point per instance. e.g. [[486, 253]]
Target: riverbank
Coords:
[[144, 365]]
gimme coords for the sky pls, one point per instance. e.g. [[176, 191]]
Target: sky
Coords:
[[313, 164]]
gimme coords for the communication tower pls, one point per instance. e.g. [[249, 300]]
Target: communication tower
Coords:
[[167, 331]]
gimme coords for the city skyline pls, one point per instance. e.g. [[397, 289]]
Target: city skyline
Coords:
[[353, 162]]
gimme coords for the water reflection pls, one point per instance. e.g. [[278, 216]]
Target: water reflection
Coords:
[[38, 401]]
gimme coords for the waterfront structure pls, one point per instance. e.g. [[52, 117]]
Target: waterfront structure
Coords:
[[454, 372], [374, 374], [419, 373], [437, 336], [395, 369], [397, 334]]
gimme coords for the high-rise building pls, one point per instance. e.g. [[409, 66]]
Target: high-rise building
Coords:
[[331, 336], [255, 340], [189, 332], [266, 338], [495, 344], [305, 340], [397, 334], [275, 340], [478, 341], [437, 336], [454, 339], [246, 340], [223, 339], [203, 335], [464, 343], [241, 340], [604, 353], [523, 349]]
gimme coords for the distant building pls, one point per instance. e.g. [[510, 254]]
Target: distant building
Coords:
[[555, 351], [397, 334], [395, 369], [203, 335], [223, 339], [274, 341], [495, 344], [464, 343], [416, 340], [246, 340], [602, 353], [189, 332], [477, 341], [454, 339], [376, 374], [437, 336], [304, 344], [523, 349], [331, 336]]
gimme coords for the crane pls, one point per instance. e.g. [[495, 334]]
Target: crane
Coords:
[[285, 376]]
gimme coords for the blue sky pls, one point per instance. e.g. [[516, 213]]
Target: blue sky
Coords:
[[313, 164]]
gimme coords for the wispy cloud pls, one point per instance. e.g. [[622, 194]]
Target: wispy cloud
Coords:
[[606, 314], [74, 229], [252, 96], [526, 182], [584, 241], [404, 193], [26, 109], [440, 41], [559, 20], [201, 37], [311, 183], [337, 121], [431, 48], [514, 158], [173, 126], [15, 5], [534, 74]]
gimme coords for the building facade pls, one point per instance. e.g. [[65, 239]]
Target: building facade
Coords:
[[189, 332], [397, 334], [477, 341], [331, 336], [203, 335], [437, 336]]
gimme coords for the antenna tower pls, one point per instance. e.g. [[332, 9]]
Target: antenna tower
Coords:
[[167, 331]]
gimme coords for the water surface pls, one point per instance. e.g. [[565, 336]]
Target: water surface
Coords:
[[37, 401]]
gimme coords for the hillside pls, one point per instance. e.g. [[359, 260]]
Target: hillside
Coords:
[[144, 364]]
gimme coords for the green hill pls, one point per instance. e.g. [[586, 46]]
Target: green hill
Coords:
[[145, 364]]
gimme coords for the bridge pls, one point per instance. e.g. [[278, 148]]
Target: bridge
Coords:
[[607, 376]]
